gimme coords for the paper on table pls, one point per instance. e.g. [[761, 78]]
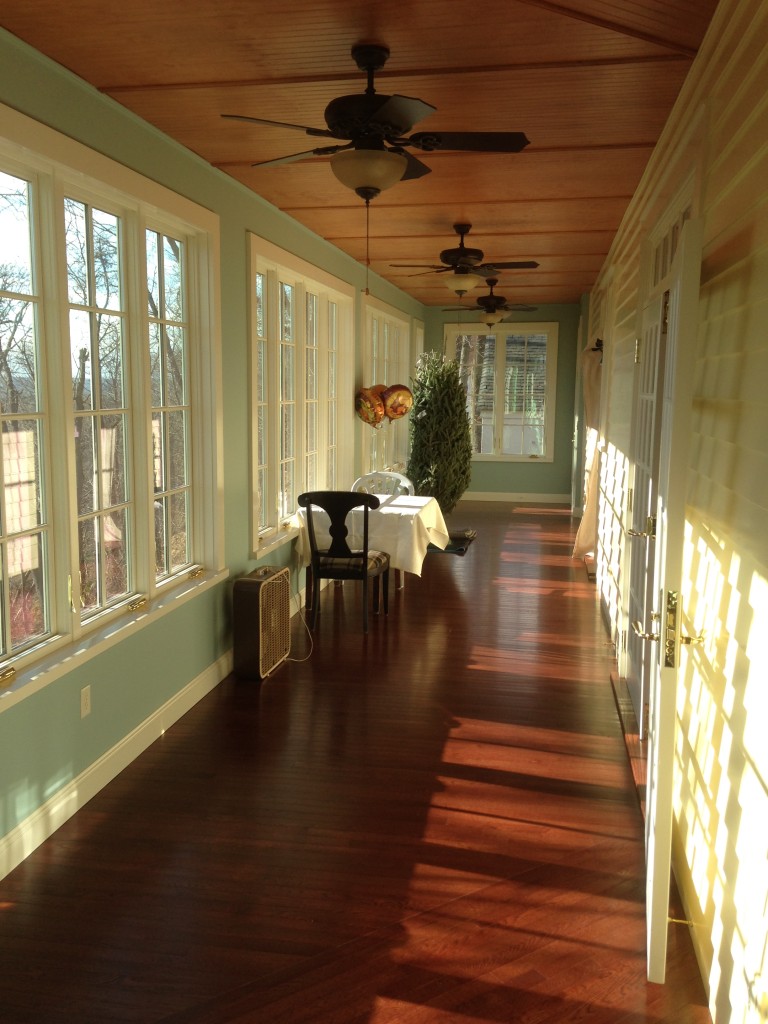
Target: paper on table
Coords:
[[385, 499]]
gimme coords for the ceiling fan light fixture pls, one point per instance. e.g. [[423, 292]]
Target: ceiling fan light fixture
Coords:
[[491, 319], [460, 284], [368, 171]]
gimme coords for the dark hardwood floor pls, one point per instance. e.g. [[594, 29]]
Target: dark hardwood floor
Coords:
[[434, 823]]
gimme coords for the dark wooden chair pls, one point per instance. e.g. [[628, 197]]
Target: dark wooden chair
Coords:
[[338, 561]]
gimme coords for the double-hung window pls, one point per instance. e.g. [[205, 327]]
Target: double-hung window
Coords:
[[302, 358], [108, 380], [509, 373]]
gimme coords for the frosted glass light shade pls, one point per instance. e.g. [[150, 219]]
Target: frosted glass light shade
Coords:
[[463, 283], [368, 171]]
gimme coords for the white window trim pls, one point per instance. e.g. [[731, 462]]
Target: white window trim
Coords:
[[269, 259], [34, 148], [552, 328]]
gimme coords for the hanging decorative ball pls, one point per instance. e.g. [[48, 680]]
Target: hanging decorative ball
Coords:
[[397, 401], [369, 406]]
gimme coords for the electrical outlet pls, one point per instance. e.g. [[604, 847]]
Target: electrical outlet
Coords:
[[85, 701]]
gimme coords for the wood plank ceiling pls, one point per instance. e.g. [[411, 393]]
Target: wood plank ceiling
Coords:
[[590, 82]]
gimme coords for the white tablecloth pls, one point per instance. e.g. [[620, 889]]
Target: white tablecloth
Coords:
[[403, 527]]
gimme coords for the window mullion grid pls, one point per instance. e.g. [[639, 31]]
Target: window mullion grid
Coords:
[[290, 370], [273, 333], [312, 473], [331, 384], [261, 430], [170, 542], [24, 508], [100, 317]]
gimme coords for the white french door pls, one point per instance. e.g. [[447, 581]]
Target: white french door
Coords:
[[650, 360], [664, 584]]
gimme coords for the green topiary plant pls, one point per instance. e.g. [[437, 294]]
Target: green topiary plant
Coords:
[[440, 462]]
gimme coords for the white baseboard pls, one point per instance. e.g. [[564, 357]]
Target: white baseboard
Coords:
[[539, 499], [21, 841]]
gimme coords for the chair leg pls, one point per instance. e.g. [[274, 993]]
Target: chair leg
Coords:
[[365, 604], [375, 595], [315, 603], [386, 592]]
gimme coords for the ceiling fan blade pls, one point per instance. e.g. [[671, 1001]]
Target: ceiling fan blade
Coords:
[[322, 132], [292, 157], [476, 142], [520, 307], [489, 269], [402, 112], [415, 168], [417, 266]]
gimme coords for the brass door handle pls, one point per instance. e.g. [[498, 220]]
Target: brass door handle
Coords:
[[637, 626], [649, 531], [692, 639]]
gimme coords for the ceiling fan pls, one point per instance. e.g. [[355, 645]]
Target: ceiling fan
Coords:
[[372, 132], [466, 265], [492, 306]]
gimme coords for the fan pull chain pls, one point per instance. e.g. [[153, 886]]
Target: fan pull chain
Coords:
[[367, 243]]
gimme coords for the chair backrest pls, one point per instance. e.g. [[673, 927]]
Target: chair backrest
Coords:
[[337, 505], [383, 482]]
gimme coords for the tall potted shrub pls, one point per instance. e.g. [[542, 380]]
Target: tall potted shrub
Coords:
[[440, 461]]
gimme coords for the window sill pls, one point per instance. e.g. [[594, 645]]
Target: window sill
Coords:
[[283, 535], [530, 459], [70, 656]]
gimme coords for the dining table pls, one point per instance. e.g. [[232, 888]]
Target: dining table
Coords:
[[404, 525]]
